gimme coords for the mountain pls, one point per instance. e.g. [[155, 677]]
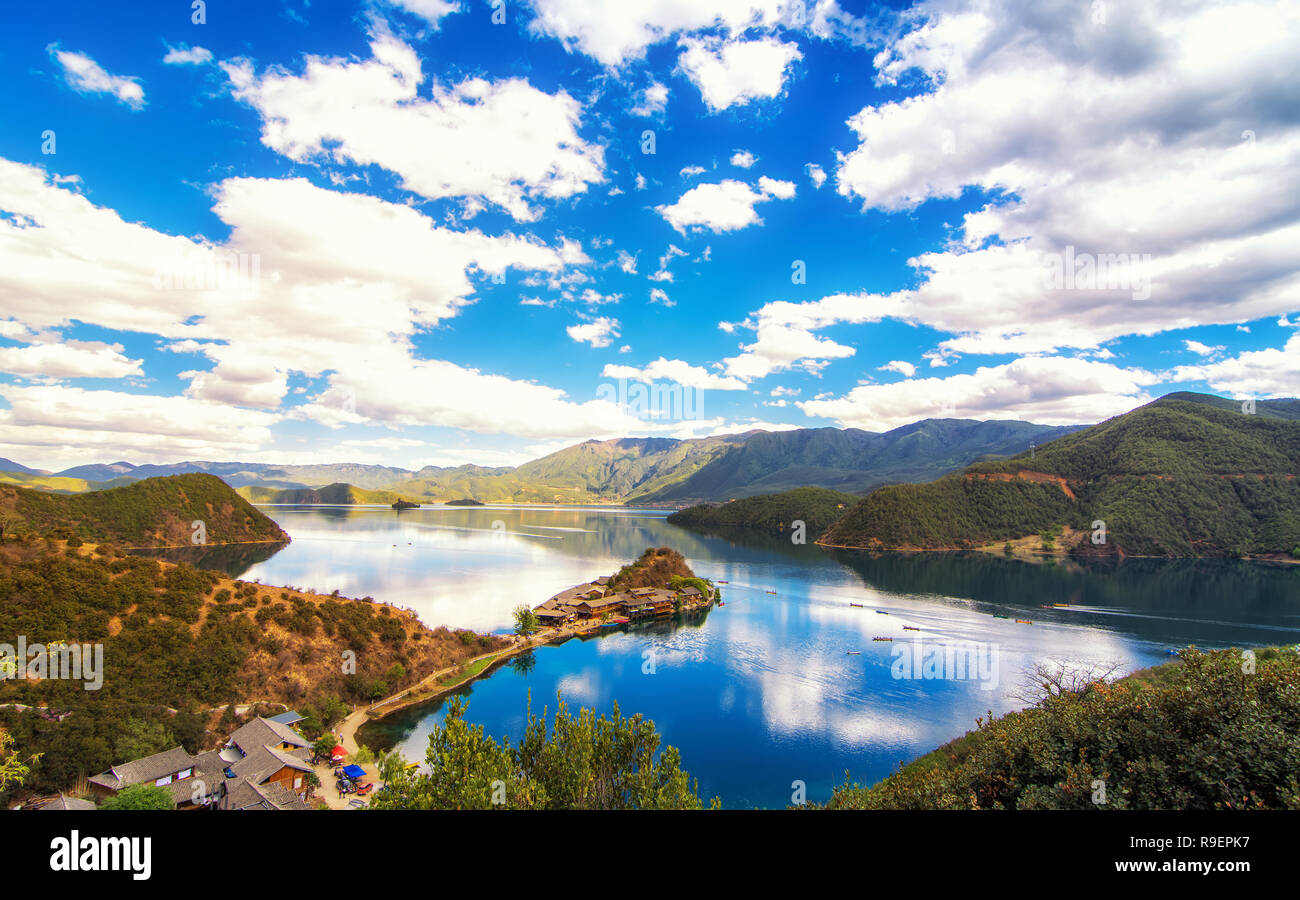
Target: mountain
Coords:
[[332, 494], [851, 460], [156, 512], [1186, 475], [663, 471], [817, 508], [8, 465]]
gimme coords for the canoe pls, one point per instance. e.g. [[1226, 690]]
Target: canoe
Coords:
[[769, 592], [881, 612], [858, 605], [882, 639], [910, 628], [853, 652], [1023, 622]]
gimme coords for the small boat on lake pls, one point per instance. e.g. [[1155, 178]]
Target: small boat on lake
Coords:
[[910, 628], [853, 652], [881, 612], [1024, 622], [769, 592], [882, 639], [858, 605]]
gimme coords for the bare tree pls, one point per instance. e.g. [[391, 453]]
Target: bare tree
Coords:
[[1068, 675]]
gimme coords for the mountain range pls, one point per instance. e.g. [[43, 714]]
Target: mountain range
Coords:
[[651, 471]]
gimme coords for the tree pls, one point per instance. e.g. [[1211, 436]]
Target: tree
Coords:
[[579, 762], [9, 523], [140, 796], [392, 765], [324, 746], [526, 622], [13, 768]]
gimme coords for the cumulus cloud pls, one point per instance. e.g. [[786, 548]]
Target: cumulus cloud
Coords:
[[500, 142], [677, 371], [726, 206], [743, 159], [730, 72], [84, 74], [187, 56], [68, 359], [1160, 165], [1051, 390], [654, 100], [599, 332], [615, 38], [1273, 372], [432, 11], [906, 369]]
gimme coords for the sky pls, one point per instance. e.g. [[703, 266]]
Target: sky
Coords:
[[435, 232]]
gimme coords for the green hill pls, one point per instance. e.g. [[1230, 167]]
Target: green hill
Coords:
[[817, 508], [156, 512], [1198, 733], [1186, 475], [332, 494]]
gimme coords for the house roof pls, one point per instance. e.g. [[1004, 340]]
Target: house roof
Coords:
[[260, 732], [244, 794], [288, 718], [150, 768], [60, 801]]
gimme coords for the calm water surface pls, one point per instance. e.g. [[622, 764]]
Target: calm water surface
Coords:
[[761, 693]]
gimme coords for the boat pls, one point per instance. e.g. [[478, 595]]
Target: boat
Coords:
[[853, 652], [769, 592], [722, 602], [1023, 622], [882, 639], [998, 616], [910, 628], [722, 582], [858, 605], [881, 612], [1061, 605]]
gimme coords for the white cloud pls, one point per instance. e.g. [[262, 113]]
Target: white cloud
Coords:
[[735, 71], [627, 262], [69, 359], [614, 37], [781, 190], [906, 369], [599, 332], [677, 371], [432, 11], [727, 206], [84, 74], [816, 173], [690, 171], [658, 295], [504, 142], [654, 100], [1153, 163], [743, 159], [1255, 373], [1202, 349], [1048, 390], [187, 56]]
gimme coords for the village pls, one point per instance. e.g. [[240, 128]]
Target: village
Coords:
[[585, 608]]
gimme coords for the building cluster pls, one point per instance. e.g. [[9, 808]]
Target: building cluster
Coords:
[[597, 600], [264, 765]]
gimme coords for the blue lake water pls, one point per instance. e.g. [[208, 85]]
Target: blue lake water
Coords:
[[762, 693]]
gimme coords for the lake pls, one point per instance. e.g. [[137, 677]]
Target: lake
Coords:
[[762, 694]]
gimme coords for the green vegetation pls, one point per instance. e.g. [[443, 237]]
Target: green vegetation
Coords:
[[331, 494], [140, 796], [13, 769], [1201, 733], [1174, 478], [181, 644], [151, 513], [582, 762], [525, 620], [817, 508], [656, 567]]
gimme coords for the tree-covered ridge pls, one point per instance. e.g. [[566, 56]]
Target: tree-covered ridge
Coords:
[[156, 512], [817, 508], [1215, 730], [1174, 478], [338, 493], [179, 642]]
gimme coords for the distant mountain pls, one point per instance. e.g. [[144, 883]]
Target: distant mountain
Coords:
[[663, 471], [8, 465], [156, 512], [851, 460], [1187, 475]]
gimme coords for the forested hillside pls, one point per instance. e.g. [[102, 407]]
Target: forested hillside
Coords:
[[1178, 477]]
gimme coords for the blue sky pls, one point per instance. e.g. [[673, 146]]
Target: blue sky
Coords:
[[448, 243]]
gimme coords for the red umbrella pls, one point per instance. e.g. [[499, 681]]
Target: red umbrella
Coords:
[[338, 751]]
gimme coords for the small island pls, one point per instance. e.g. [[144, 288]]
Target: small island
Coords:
[[657, 586], [465, 501], [405, 504]]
